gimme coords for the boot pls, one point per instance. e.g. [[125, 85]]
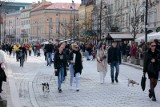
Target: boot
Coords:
[[150, 93], [153, 96]]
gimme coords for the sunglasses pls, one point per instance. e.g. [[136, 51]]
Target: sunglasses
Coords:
[[76, 47], [153, 45]]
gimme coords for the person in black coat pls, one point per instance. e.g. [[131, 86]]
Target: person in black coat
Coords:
[[75, 59], [48, 51], [60, 63], [114, 60], [151, 67], [22, 55]]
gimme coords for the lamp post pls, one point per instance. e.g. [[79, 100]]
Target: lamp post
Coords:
[[146, 21]]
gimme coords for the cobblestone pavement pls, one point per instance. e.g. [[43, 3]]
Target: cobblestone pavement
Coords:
[[92, 94]]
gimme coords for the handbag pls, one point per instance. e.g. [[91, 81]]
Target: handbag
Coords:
[[143, 82]]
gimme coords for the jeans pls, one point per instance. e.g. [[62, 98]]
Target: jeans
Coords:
[[60, 77], [72, 75], [21, 61], [116, 65], [49, 58], [87, 54], [17, 55]]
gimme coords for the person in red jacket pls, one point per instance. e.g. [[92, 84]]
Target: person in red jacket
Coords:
[[38, 47], [133, 52]]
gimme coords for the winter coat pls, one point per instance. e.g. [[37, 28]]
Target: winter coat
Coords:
[[133, 51], [102, 66], [2, 57], [59, 64], [111, 56], [147, 60], [3, 76], [78, 61]]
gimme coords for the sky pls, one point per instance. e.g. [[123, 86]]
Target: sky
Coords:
[[30, 1]]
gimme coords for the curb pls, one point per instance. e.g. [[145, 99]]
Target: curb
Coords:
[[132, 65]]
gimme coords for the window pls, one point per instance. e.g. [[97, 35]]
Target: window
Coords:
[[142, 18]]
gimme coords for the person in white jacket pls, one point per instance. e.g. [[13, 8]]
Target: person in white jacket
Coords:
[[3, 76]]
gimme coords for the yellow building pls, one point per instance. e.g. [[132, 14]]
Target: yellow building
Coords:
[[85, 16], [53, 20]]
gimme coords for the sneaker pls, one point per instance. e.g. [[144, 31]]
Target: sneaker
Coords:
[[60, 90], [77, 90], [71, 88]]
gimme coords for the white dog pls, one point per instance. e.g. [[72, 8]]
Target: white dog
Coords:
[[45, 89]]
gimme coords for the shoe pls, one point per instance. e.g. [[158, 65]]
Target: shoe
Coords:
[[153, 96], [77, 90], [60, 90], [116, 80], [0, 98], [112, 81], [150, 93], [154, 99]]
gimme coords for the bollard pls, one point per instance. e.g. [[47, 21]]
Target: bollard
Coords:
[[3, 103]]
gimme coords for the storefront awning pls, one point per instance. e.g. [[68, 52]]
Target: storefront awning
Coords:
[[121, 36]]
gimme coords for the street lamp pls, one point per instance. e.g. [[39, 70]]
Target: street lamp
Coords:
[[146, 20], [73, 30]]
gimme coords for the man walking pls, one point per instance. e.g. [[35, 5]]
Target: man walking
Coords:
[[114, 60], [49, 50]]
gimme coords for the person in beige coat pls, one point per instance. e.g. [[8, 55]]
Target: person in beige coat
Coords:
[[102, 62]]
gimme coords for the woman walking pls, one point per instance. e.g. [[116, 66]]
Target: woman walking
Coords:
[[60, 63], [75, 59], [2, 72], [102, 61], [151, 67]]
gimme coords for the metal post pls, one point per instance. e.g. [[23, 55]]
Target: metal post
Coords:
[[101, 20], [146, 17], [74, 21]]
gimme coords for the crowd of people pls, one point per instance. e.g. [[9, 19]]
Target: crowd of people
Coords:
[[69, 56]]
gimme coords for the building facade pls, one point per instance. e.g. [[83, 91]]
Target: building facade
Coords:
[[54, 20], [7, 8], [129, 15], [11, 28]]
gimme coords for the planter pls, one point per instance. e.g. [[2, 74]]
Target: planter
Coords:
[[141, 62], [124, 58], [136, 61]]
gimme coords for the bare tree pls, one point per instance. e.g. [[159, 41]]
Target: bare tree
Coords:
[[136, 19]]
